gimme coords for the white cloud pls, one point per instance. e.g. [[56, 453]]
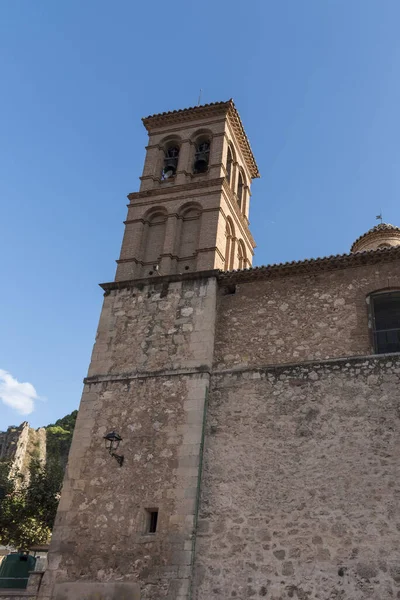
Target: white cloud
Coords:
[[19, 396]]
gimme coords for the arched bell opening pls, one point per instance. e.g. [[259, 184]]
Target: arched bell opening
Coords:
[[202, 155], [171, 159], [229, 166]]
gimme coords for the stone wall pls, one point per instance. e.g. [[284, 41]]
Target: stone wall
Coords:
[[301, 317], [148, 380], [300, 489]]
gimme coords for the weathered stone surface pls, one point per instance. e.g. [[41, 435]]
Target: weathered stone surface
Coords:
[[300, 489], [143, 330], [151, 389], [97, 591], [299, 318]]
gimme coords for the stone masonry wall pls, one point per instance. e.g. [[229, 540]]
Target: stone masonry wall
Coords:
[[300, 488], [148, 380], [301, 317]]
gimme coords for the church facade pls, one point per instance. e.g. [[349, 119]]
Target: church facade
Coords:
[[254, 412]]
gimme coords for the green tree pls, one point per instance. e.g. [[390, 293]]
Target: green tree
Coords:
[[28, 506], [21, 525]]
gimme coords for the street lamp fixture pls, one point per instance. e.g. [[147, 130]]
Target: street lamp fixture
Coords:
[[112, 441]]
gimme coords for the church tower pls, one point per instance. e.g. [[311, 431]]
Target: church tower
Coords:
[[191, 213], [128, 515]]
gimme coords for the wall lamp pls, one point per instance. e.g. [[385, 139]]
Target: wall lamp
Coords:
[[112, 441]]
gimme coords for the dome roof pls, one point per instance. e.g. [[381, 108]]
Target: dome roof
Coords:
[[381, 233]]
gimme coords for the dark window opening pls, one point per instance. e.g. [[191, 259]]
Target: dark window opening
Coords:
[[202, 157], [240, 190], [164, 290], [386, 322], [229, 162], [229, 289], [170, 162], [152, 519]]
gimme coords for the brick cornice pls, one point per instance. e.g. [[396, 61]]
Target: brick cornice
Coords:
[[174, 215], [192, 186]]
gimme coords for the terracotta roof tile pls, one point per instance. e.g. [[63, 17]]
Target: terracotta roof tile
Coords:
[[328, 263], [376, 229]]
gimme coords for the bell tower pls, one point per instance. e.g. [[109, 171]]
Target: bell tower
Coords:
[[129, 517], [191, 213]]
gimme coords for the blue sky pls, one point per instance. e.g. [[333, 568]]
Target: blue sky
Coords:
[[316, 83]]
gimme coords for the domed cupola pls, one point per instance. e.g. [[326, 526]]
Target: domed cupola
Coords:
[[383, 235]]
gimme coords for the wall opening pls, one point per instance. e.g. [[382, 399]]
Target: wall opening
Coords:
[[386, 321], [151, 520]]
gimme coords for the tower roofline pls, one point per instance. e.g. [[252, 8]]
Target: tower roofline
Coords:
[[226, 108]]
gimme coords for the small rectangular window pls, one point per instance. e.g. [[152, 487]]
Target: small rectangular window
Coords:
[[151, 520]]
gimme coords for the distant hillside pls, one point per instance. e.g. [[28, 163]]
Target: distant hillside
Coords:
[[58, 440], [32, 466], [20, 446]]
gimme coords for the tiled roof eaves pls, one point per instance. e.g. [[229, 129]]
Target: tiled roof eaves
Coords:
[[186, 110], [313, 265]]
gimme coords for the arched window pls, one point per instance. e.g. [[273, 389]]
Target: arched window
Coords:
[[229, 245], [154, 235], [170, 162], [189, 236], [242, 255], [202, 156], [240, 190], [229, 163], [385, 312]]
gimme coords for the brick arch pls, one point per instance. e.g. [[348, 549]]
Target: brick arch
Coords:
[[201, 133], [164, 145], [241, 190], [199, 136], [154, 229], [189, 233], [229, 244], [242, 255], [170, 139]]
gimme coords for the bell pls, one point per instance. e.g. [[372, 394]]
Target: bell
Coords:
[[170, 165], [201, 163]]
